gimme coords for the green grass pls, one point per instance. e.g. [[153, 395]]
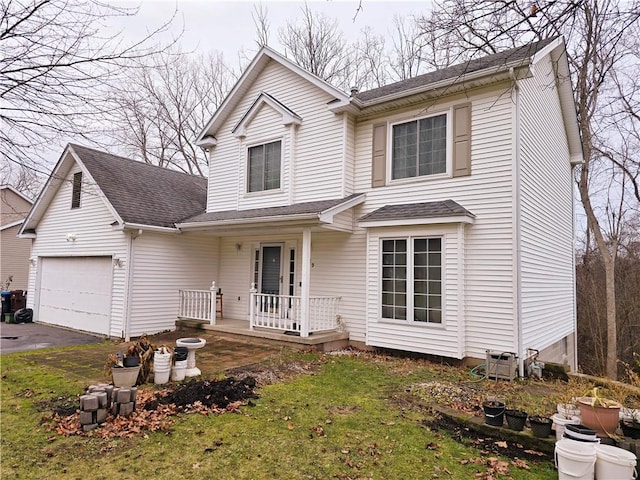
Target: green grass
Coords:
[[339, 422]]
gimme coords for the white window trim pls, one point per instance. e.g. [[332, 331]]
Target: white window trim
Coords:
[[272, 191], [409, 322], [421, 178]]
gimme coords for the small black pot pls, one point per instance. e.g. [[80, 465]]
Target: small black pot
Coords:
[[516, 419], [493, 413], [540, 426], [132, 361], [631, 430]]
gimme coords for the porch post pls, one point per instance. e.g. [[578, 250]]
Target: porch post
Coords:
[[306, 282], [252, 305], [212, 305]]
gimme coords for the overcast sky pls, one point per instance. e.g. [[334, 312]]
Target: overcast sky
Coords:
[[228, 26]]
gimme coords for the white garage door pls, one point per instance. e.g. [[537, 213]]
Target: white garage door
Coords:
[[75, 292]]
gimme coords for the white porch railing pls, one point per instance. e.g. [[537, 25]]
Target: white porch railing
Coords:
[[284, 312], [198, 304]]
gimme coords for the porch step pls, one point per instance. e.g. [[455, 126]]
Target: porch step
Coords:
[[239, 330]]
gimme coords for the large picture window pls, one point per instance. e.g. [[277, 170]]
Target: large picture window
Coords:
[[412, 279], [419, 147], [264, 167]]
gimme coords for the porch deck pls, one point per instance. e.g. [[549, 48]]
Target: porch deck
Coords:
[[239, 330]]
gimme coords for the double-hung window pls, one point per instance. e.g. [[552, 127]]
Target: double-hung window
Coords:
[[264, 167], [412, 279], [419, 147]]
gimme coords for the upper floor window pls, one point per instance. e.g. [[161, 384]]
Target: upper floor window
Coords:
[[264, 167], [77, 188], [419, 147]]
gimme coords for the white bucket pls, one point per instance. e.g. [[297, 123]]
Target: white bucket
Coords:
[[575, 460], [161, 374], [560, 422], [179, 370], [161, 358], [615, 463]]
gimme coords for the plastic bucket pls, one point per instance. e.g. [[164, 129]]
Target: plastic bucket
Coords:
[[493, 413], [613, 462], [161, 358], [125, 376], [561, 422], [575, 460], [161, 375], [178, 372]]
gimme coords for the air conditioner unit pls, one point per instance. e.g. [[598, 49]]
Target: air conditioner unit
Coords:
[[502, 365]]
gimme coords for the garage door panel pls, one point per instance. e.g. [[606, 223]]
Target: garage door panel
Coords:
[[75, 292]]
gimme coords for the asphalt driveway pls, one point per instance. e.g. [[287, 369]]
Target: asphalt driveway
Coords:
[[21, 337]]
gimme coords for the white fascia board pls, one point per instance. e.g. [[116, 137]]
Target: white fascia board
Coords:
[[12, 224], [289, 117], [249, 221], [150, 228], [404, 222], [59, 172], [327, 215], [501, 72]]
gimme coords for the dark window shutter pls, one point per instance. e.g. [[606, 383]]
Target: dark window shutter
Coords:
[[379, 155], [462, 140]]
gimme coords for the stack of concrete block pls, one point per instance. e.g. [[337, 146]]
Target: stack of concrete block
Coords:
[[102, 398]]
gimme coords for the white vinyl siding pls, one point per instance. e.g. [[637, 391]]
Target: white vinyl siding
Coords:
[[162, 265], [313, 150], [546, 215], [487, 193], [94, 236]]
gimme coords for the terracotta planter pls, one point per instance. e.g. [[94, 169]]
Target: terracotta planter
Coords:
[[604, 420]]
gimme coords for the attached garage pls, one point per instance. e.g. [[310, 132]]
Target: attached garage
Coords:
[[75, 292]]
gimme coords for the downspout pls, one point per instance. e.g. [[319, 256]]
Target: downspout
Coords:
[[516, 225], [129, 286]]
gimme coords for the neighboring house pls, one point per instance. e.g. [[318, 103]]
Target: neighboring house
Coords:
[[433, 215], [14, 251]]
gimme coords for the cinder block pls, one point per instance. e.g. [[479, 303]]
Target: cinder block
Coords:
[[88, 402], [101, 415], [124, 395], [102, 399], [87, 418], [91, 426], [126, 409], [134, 393], [114, 409], [109, 390]]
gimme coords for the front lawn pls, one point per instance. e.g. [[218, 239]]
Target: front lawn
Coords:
[[317, 417]]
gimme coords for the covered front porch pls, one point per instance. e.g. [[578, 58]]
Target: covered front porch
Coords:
[[267, 284]]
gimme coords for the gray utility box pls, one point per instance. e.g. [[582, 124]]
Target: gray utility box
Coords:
[[502, 365]]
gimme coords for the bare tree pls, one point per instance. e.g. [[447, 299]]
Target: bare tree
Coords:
[[407, 57], [260, 16], [54, 65], [317, 44], [370, 61], [599, 44], [159, 112]]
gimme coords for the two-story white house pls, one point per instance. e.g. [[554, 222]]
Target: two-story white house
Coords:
[[432, 215]]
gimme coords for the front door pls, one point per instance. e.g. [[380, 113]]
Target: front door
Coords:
[[271, 269]]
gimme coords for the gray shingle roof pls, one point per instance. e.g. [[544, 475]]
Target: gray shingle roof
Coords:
[[444, 208], [144, 194], [309, 208], [496, 60]]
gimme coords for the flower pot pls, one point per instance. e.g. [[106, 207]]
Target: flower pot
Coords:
[[125, 376], [603, 419], [493, 413], [540, 426], [132, 361], [516, 419]]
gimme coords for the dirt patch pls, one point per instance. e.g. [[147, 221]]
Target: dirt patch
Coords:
[[218, 394], [63, 406], [487, 444]]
